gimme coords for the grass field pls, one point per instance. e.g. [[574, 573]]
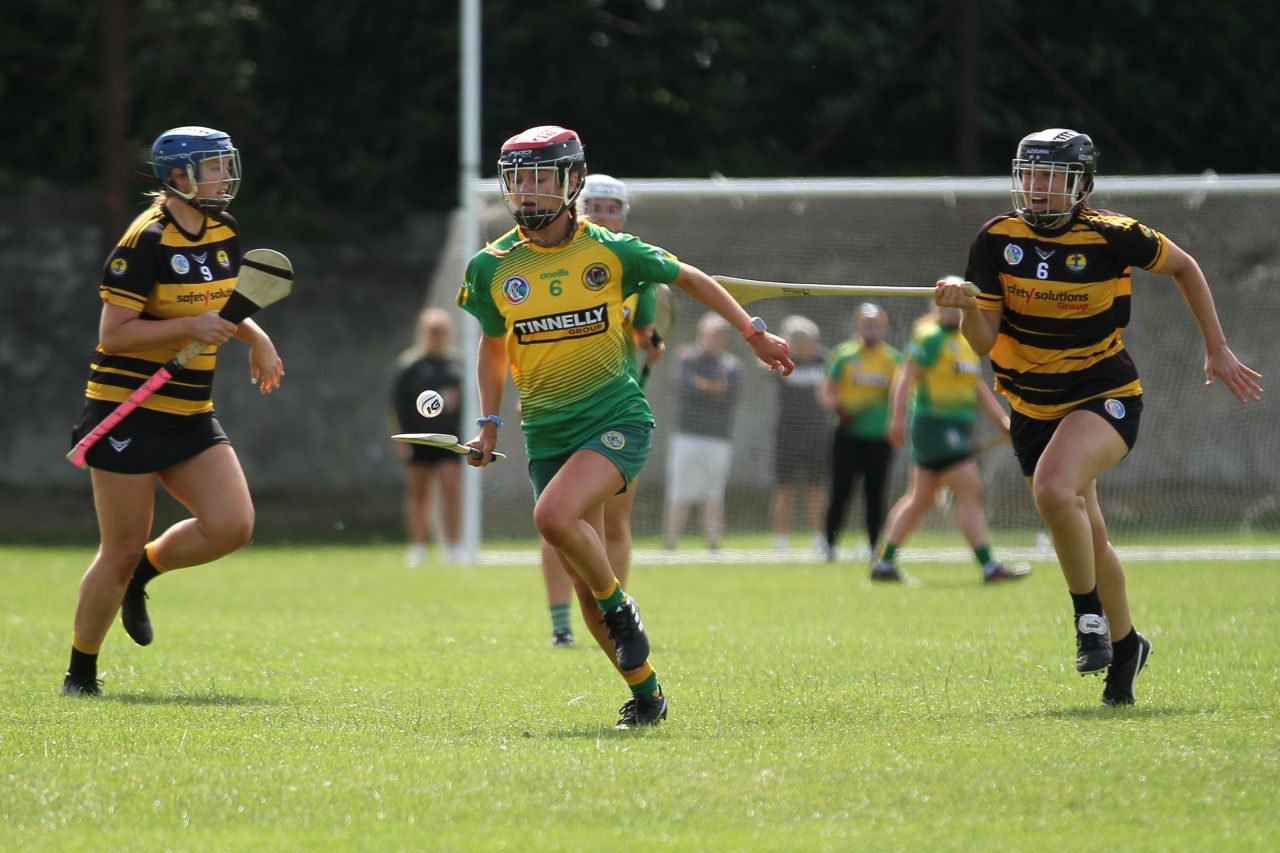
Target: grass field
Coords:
[[328, 698]]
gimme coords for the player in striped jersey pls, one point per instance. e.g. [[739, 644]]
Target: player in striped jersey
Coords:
[[549, 296], [162, 286], [1055, 278]]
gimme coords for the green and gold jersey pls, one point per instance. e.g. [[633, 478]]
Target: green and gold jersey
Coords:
[[947, 386], [1065, 297], [862, 378], [561, 312], [160, 271]]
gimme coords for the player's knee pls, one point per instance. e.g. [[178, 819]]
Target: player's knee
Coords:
[[1052, 496], [552, 525], [231, 532]]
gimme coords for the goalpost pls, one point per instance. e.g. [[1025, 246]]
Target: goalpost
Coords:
[[1203, 459]]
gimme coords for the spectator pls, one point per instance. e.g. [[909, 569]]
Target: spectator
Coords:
[[430, 469], [708, 383], [802, 447]]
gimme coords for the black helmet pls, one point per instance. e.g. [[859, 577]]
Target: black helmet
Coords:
[[1052, 175], [548, 147]]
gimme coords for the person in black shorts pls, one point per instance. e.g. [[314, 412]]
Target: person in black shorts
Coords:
[[431, 365], [1055, 281], [162, 286]]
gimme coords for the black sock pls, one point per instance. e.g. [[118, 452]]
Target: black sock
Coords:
[[84, 667], [1126, 647], [1087, 603], [144, 571]]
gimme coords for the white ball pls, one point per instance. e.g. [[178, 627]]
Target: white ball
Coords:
[[430, 403]]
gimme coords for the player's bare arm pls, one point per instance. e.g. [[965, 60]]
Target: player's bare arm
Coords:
[[123, 329], [265, 364], [978, 327], [768, 347], [491, 378], [991, 407], [904, 379], [1219, 361]]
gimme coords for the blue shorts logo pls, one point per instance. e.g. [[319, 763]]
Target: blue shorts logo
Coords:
[[1114, 408], [613, 440]]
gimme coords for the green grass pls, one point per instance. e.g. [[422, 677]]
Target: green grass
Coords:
[[328, 698]]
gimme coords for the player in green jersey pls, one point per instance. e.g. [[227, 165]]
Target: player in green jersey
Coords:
[[942, 377], [549, 296]]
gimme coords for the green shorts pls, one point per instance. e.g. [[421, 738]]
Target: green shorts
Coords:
[[625, 445], [938, 443]]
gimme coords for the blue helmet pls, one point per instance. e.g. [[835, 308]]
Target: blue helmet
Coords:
[[185, 148]]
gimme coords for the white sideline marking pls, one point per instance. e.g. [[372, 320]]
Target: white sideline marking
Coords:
[[694, 555]]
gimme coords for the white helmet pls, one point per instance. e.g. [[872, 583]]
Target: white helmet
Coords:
[[605, 187]]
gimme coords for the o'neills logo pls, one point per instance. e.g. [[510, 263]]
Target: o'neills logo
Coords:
[[561, 327], [203, 298]]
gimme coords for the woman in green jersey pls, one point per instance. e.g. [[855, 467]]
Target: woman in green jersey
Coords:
[[549, 298], [942, 379]]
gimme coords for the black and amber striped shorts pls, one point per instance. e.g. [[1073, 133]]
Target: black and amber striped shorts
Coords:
[[146, 441]]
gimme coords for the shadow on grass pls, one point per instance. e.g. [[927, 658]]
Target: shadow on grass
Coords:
[[1132, 712], [190, 699]]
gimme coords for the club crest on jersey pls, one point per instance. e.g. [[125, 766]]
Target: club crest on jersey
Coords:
[[1013, 254], [1114, 408], [222, 259], [613, 440], [119, 267], [516, 289], [180, 264], [595, 276], [1076, 262]]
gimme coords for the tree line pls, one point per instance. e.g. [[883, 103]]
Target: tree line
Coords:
[[346, 113]]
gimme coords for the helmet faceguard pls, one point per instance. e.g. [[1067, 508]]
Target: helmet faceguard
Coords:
[[534, 173], [206, 156], [1052, 176], [602, 189]]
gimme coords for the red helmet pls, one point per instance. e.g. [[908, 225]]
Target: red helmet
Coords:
[[524, 156]]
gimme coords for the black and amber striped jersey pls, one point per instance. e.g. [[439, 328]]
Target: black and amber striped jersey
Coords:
[[160, 271], [1064, 297]]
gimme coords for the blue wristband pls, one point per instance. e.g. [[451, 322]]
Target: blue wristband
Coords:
[[489, 419]]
